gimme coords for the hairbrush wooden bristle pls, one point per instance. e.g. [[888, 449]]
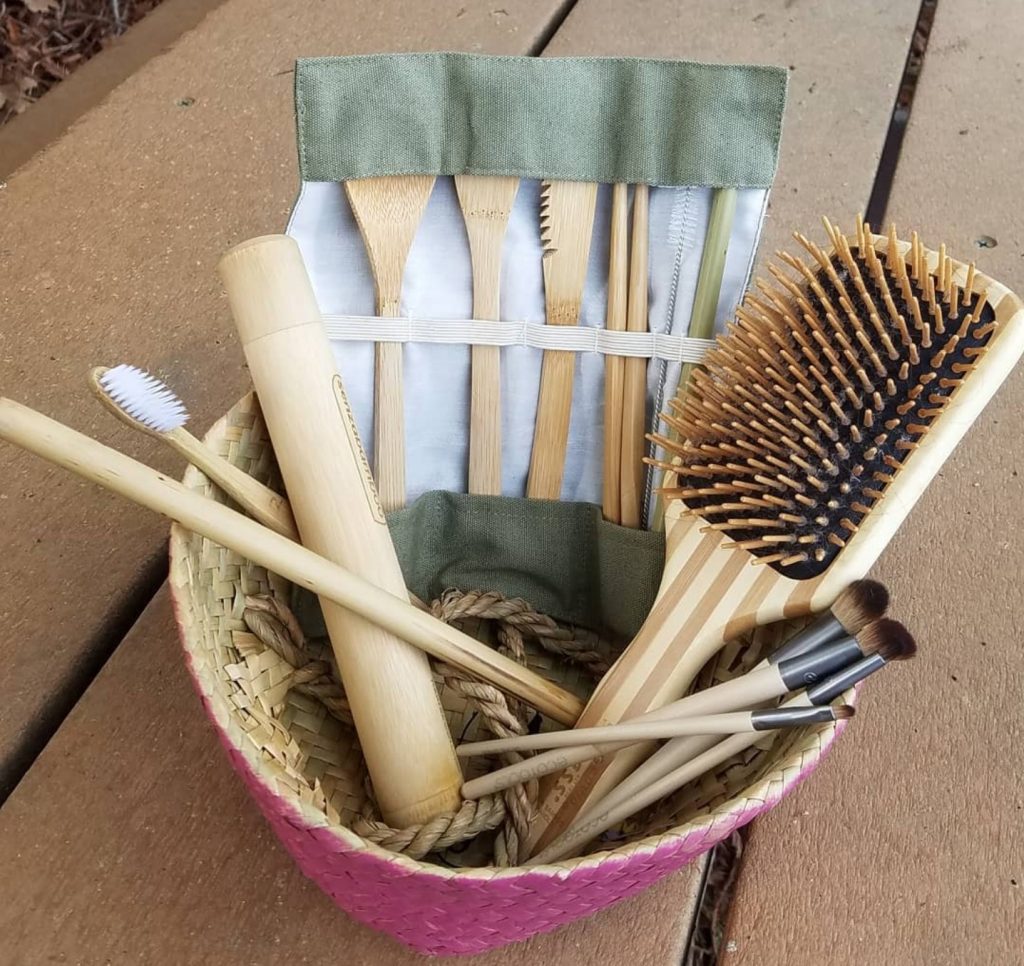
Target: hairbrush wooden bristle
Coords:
[[821, 417]]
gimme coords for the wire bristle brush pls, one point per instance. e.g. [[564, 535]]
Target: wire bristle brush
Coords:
[[820, 418]]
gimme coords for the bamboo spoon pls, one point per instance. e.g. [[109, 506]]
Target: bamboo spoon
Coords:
[[121, 474], [388, 212], [634, 395], [614, 366], [486, 202], [566, 226]]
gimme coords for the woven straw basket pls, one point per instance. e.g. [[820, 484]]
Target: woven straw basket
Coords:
[[304, 767]]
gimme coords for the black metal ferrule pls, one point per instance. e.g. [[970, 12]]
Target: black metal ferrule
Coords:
[[822, 630], [772, 718], [831, 688], [808, 669]]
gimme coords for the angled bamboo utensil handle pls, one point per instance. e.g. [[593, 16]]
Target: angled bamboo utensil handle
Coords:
[[388, 212], [567, 224], [402, 728], [634, 393], [143, 485], [486, 202], [614, 366]]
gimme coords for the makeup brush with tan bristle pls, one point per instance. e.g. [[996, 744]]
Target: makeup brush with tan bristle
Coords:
[[608, 813], [818, 421], [769, 680]]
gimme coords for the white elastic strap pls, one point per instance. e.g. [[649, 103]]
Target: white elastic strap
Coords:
[[565, 338]]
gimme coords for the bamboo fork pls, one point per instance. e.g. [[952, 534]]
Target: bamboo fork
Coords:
[[486, 203], [614, 366], [634, 396], [566, 225], [388, 212]]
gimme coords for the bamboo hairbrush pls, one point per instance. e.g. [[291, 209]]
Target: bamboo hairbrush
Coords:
[[821, 417]]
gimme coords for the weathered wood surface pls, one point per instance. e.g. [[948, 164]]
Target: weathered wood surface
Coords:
[[908, 846], [108, 247], [132, 841]]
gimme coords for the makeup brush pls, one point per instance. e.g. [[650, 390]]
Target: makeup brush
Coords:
[[145, 403], [767, 681], [388, 210], [121, 474], [566, 226], [855, 607], [818, 421], [486, 202], [881, 642], [735, 722], [609, 813]]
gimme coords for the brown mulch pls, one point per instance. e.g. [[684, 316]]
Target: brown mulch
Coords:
[[42, 41]]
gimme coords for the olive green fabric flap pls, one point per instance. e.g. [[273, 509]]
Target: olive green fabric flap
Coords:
[[563, 558], [663, 122]]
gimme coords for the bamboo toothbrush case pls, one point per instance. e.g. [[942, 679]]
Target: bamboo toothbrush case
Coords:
[[685, 129]]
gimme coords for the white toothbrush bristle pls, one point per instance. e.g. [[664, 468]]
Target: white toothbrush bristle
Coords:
[[144, 397]]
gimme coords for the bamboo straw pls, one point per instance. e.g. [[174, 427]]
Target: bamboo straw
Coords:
[[634, 393], [614, 366]]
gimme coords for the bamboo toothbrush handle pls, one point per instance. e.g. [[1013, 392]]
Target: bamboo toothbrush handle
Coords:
[[409, 755], [634, 393], [614, 366], [259, 501], [143, 485]]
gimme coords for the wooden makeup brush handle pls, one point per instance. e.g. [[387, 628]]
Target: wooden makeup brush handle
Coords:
[[141, 484]]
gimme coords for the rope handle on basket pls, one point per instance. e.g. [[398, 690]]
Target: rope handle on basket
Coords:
[[314, 673]]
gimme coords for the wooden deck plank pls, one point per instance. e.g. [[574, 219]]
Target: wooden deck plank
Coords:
[[131, 841], [908, 846], [108, 246], [845, 62]]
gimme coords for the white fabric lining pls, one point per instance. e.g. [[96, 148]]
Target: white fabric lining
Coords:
[[438, 285], [638, 345]]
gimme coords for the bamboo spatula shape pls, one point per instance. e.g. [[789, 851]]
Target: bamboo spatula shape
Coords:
[[388, 212], [486, 202], [614, 366], [566, 227]]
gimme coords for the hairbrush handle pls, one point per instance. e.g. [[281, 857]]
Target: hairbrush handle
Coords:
[[402, 729]]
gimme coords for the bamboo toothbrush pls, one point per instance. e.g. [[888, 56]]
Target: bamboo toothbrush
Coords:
[[566, 227], [121, 474], [486, 202], [771, 679], [388, 211], [726, 723], [146, 403], [634, 393], [614, 366], [604, 817], [819, 421]]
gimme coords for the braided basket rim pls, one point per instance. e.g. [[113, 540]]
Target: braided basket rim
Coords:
[[785, 773]]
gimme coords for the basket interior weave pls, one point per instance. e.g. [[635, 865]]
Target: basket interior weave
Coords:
[[307, 752]]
